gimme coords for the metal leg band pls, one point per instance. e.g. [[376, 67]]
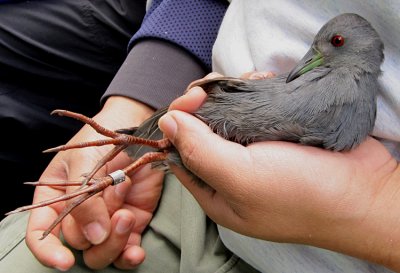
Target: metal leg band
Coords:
[[117, 176]]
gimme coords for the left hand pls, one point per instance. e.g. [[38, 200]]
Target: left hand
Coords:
[[107, 227], [347, 202]]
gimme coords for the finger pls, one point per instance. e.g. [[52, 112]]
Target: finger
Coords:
[[91, 221], [132, 257], [213, 203], [50, 251], [145, 191], [190, 101], [102, 255], [204, 153], [209, 76], [194, 96], [114, 196]]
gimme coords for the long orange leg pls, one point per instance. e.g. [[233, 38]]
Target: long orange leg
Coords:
[[117, 138], [90, 186], [121, 141], [89, 190]]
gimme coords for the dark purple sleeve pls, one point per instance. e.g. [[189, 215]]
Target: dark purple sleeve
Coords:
[[192, 24], [155, 72], [171, 49]]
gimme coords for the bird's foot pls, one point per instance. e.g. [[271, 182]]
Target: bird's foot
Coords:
[[82, 194], [116, 138], [120, 140], [91, 188]]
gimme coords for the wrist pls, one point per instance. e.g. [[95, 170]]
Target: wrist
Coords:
[[372, 234], [382, 224], [122, 112]]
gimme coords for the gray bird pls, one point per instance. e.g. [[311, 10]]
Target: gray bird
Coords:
[[328, 100]]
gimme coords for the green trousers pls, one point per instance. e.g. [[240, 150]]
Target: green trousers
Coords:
[[180, 238]]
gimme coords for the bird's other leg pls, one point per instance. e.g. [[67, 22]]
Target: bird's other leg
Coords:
[[116, 137], [93, 188], [108, 157], [120, 140]]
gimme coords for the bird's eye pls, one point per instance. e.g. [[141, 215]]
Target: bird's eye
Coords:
[[337, 40]]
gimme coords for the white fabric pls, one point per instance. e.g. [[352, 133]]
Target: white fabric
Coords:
[[272, 36]]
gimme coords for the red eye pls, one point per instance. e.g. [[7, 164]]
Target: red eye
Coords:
[[337, 40]]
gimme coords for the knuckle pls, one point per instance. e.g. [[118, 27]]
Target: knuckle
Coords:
[[190, 157]]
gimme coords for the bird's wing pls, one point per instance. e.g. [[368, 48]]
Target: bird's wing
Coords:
[[225, 84]]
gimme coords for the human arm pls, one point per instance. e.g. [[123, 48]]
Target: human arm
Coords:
[[118, 112], [285, 192], [156, 70], [79, 229]]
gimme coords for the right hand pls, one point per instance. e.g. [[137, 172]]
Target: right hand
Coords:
[[108, 226], [347, 202]]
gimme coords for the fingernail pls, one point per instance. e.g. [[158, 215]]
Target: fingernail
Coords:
[[123, 225], [194, 90], [60, 268], [59, 257], [95, 233], [168, 126]]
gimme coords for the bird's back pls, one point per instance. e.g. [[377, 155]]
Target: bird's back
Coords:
[[305, 111]]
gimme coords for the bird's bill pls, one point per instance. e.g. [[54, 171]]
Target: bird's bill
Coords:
[[311, 60]]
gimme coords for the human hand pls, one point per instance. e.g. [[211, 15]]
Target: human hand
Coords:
[[285, 192], [108, 226]]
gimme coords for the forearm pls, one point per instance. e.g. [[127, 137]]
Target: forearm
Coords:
[[378, 234], [367, 227], [122, 112], [155, 72], [171, 49]]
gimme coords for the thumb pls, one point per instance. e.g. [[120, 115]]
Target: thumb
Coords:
[[205, 154]]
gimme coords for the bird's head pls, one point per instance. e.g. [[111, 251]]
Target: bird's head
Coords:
[[347, 41]]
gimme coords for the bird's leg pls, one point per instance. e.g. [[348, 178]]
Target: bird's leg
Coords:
[[91, 189], [91, 186], [108, 157], [116, 138], [97, 186], [120, 140]]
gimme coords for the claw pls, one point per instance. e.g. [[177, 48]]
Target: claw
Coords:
[[83, 193], [59, 183], [96, 187], [120, 140], [87, 191], [65, 212], [116, 138], [90, 186]]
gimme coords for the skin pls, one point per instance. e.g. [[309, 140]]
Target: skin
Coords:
[[346, 202], [107, 227]]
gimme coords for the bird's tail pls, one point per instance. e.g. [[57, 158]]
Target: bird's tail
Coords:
[[148, 130]]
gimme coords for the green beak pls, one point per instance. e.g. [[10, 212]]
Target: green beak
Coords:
[[311, 60]]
